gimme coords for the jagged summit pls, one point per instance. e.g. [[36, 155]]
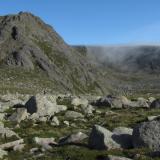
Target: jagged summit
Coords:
[[26, 42]]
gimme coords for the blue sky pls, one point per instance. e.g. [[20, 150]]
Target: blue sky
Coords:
[[95, 21]]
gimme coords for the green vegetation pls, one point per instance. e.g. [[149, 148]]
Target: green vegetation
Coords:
[[60, 59], [45, 47], [124, 117], [25, 82]]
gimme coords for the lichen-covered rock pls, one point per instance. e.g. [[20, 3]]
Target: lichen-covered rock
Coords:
[[2, 116], [55, 121], [43, 105], [101, 138], [151, 118], [79, 101], [87, 110], [45, 142], [147, 135], [20, 115], [110, 157], [74, 115], [3, 153], [6, 132]]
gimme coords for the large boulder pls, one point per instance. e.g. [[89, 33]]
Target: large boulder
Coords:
[[43, 105], [73, 138], [101, 138], [147, 134]]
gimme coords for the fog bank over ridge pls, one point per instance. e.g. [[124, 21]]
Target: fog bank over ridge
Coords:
[[127, 57]]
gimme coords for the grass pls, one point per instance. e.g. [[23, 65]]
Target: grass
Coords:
[[124, 117], [24, 82]]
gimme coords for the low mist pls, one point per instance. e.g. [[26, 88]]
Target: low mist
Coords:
[[140, 57]]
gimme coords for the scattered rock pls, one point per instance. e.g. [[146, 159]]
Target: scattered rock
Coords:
[[1, 125], [73, 138], [73, 114], [142, 102], [66, 123], [87, 110], [79, 101], [34, 117], [6, 132], [3, 153], [44, 105], [116, 158], [45, 142], [55, 121], [139, 103], [151, 99], [123, 136], [2, 116], [43, 119], [101, 138], [108, 113], [103, 102], [20, 115], [34, 150], [12, 145], [19, 147], [151, 118], [155, 104]]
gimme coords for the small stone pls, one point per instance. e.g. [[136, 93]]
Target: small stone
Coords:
[[66, 123]]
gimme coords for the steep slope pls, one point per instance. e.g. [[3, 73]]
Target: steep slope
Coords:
[[29, 45]]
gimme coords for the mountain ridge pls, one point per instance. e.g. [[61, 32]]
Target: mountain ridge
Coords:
[[35, 58]]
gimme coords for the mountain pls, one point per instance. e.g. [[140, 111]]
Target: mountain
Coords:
[[34, 58]]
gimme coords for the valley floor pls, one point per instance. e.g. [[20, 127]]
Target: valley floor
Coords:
[[64, 125]]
